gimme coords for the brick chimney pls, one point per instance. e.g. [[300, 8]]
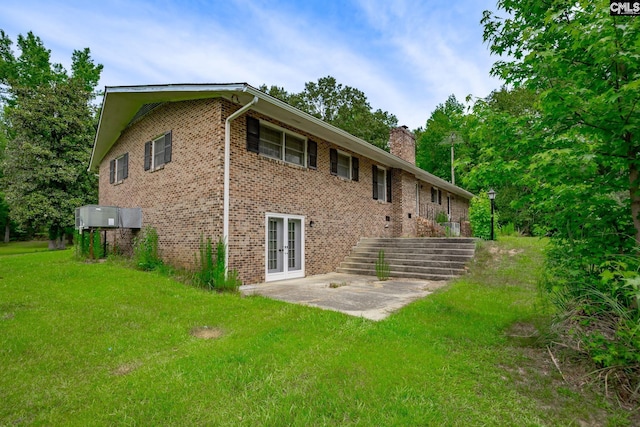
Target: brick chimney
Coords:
[[402, 143]]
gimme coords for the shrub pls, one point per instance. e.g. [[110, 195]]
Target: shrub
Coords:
[[508, 229], [82, 244], [442, 217], [480, 216], [382, 267], [145, 249], [212, 271]]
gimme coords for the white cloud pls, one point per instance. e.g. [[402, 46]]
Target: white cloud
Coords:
[[406, 56]]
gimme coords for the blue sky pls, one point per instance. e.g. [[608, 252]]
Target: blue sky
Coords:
[[406, 56]]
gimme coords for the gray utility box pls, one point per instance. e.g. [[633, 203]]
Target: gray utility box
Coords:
[[130, 217], [94, 216]]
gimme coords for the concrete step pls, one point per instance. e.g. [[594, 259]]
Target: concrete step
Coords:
[[394, 268], [409, 261], [409, 250], [424, 258], [423, 276]]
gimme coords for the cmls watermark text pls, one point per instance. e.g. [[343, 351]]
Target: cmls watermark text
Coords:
[[624, 8]]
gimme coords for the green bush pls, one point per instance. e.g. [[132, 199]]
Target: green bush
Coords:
[[212, 271], [442, 217], [508, 229], [480, 216], [145, 249], [82, 244]]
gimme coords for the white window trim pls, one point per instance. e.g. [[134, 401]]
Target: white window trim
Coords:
[[283, 154], [349, 169]]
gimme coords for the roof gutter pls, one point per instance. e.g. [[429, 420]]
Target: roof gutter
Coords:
[[227, 159]]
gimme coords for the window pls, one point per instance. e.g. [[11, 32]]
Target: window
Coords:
[[436, 195], [157, 152], [278, 144], [119, 169], [344, 165], [381, 183]]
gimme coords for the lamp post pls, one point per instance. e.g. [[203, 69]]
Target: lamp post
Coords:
[[492, 197]]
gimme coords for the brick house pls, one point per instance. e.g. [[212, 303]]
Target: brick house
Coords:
[[290, 193]]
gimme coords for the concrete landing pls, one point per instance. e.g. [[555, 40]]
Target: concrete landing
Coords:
[[362, 296]]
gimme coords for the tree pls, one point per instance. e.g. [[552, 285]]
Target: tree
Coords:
[[342, 106], [580, 157], [50, 122], [584, 65], [433, 150], [501, 140]]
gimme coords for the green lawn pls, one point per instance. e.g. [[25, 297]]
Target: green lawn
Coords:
[[100, 344], [23, 247]]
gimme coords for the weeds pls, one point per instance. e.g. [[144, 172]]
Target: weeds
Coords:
[[145, 250], [382, 267], [212, 271]]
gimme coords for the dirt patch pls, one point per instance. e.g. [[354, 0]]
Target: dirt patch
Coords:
[[207, 332], [497, 251], [126, 369]]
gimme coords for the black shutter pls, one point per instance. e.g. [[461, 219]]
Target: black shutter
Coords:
[[355, 169], [253, 135], [112, 171], [312, 154], [147, 155], [167, 147], [333, 159], [374, 173], [125, 169], [439, 197], [389, 184]]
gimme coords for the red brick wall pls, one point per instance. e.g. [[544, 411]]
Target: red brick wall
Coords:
[[342, 210], [183, 200]]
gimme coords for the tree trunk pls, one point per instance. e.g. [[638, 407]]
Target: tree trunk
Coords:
[[7, 231]]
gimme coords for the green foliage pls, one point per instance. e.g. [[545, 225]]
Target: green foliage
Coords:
[[48, 124], [442, 217], [508, 229], [480, 216], [145, 249], [83, 243], [574, 155], [382, 267], [342, 106], [433, 144], [212, 271]]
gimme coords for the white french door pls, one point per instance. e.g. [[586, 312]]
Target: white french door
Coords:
[[284, 247]]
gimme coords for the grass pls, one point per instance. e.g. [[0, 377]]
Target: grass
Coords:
[[95, 344], [15, 248]]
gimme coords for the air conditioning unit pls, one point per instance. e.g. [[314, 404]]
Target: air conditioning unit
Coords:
[[95, 216]]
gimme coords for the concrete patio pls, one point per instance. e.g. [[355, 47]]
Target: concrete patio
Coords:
[[356, 295]]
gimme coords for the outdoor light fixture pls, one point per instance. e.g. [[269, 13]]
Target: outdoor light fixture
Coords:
[[492, 197], [311, 224]]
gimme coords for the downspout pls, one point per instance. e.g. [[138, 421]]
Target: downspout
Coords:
[[227, 158]]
